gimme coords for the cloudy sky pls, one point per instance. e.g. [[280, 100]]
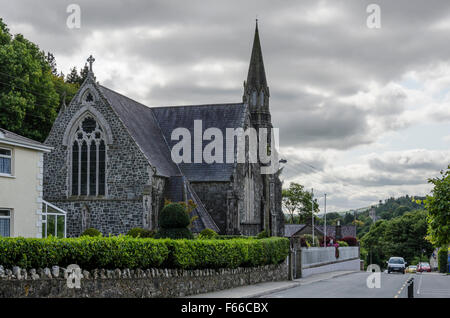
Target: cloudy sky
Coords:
[[363, 112]]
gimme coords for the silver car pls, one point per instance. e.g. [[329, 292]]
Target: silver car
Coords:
[[396, 264]]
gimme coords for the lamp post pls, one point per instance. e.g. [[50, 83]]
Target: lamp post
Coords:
[[325, 227], [312, 214]]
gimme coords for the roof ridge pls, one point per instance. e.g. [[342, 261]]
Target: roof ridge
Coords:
[[200, 105]]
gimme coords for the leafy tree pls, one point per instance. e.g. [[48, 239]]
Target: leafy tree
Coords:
[[438, 207], [296, 199], [402, 236], [28, 99]]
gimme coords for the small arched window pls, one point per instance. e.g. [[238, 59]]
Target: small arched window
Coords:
[[88, 153]]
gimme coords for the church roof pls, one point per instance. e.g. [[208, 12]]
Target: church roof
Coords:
[[220, 116], [151, 128], [143, 127]]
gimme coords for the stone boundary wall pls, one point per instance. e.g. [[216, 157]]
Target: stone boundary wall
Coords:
[[150, 283]]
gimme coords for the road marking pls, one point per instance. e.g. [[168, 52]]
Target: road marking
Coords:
[[403, 286], [420, 285]]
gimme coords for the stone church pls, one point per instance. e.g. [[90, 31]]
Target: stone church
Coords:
[[111, 167]]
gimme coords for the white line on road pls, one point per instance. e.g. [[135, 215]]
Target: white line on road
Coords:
[[420, 284]]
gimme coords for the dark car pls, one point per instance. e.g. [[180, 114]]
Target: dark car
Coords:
[[396, 264], [423, 267]]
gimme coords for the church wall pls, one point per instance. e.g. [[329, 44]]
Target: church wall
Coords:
[[214, 197], [127, 172]]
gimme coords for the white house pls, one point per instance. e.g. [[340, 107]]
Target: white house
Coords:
[[22, 210]]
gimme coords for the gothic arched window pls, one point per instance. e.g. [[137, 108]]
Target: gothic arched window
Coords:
[[88, 153]]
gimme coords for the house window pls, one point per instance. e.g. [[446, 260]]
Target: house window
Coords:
[[5, 161], [5, 223], [88, 153]]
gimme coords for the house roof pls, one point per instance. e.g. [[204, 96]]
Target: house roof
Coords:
[[346, 230], [291, 229], [10, 138]]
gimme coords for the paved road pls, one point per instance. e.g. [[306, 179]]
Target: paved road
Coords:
[[354, 286]]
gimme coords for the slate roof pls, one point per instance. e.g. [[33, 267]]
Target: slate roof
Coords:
[[291, 229], [220, 116], [9, 136], [346, 230], [151, 128], [143, 127]]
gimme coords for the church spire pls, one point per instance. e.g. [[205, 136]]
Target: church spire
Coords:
[[256, 78], [256, 91]]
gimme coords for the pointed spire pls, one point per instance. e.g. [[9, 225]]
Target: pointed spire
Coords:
[[256, 77]]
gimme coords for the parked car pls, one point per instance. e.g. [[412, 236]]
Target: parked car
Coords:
[[396, 264], [423, 267], [411, 269]]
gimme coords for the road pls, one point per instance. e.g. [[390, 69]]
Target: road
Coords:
[[429, 285]]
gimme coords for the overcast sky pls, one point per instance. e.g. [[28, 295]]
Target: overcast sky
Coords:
[[363, 112]]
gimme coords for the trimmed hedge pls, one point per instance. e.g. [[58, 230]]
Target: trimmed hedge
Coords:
[[442, 260], [193, 254], [140, 232], [87, 252], [128, 252]]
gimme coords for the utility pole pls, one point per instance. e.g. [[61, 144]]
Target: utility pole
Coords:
[[312, 214], [325, 227]]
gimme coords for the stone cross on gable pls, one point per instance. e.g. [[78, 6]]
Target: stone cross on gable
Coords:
[[90, 60]]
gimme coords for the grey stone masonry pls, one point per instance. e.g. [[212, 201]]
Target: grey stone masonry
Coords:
[[149, 283], [127, 171]]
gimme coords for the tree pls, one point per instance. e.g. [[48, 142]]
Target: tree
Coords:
[[438, 207], [73, 77], [401, 236], [296, 199], [28, 100]]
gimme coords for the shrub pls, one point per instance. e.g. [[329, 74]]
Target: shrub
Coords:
[[351, 241], [91, 232], [329, 238], [342, 243], [87, 252], [140, 232], [263, 234], [175, 233], [128, 252], [231, 237], [207, 234], [173, 215], [306, 240], [442, 260], [191, 254]]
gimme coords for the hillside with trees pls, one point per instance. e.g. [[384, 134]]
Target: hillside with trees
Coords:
[[31, 89]]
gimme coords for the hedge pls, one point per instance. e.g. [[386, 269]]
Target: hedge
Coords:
[[128, 252], [442, 260], [193, 254]]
